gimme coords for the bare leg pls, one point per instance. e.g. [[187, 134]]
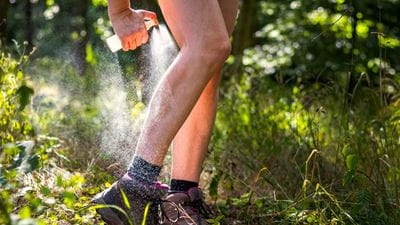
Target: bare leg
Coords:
[[199, 29], [191, 142]]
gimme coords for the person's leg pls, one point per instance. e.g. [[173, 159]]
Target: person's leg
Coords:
[[199, 29], [191, 142]]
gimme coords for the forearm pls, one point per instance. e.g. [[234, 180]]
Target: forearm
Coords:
[[117, 6]]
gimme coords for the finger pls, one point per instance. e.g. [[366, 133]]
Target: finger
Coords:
[[133, 42], [148, 24], [138, 41], [145, 37], [132, 45], [149, 15], [125, 44], [130, 41], [129, 45]]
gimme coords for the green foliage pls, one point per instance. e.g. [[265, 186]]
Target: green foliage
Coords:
[[321, 77], [34, 189], [14, 96], [343, 157], [307, 130]]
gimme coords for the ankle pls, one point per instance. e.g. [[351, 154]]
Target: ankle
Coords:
[[182, 185], [143, 171]]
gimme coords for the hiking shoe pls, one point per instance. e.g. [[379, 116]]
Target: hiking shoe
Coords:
[[185, 208], [138, 195]]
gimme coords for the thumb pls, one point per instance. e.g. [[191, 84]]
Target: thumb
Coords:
[[149, 15]]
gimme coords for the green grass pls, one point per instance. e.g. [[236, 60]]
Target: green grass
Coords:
[[280, 154]]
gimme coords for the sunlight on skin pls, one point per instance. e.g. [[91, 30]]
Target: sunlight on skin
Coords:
[[194, 74], [190, 145], [202, 54]]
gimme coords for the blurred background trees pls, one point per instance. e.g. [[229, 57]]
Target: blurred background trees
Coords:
[[307, 130]]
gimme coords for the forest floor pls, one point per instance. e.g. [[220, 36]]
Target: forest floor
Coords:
[[60, 191]]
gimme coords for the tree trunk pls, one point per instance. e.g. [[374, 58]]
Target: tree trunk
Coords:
[[352, 79], [243, 36], [28, 25], [3, 18], [82, 28]]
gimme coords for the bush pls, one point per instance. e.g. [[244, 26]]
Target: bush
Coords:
[[38, 184], [298, 155]]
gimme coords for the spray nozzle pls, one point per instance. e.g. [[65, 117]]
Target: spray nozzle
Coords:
[[114, 43], [150, 23]]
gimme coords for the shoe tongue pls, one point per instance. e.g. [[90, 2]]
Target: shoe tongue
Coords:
[[178, 197], [191, 195], [195, 194]]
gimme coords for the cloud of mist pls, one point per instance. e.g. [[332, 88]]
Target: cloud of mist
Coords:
[[120, 133], [58, 90]]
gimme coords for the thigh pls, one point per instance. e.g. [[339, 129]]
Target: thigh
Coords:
[[229, 10], [193, 22]]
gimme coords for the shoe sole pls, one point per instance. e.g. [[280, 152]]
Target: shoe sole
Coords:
[[107, 214]]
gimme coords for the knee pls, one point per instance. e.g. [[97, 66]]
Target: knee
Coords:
[[217, 51], [212, 51]]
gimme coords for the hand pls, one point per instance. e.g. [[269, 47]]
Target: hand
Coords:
[[130, 27]]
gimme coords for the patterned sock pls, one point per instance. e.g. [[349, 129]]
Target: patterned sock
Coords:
[[143, 171], [181, 185]]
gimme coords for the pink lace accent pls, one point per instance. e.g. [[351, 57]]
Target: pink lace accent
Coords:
[[160, 185]]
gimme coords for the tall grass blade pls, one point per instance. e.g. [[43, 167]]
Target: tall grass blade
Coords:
[[146, 212]]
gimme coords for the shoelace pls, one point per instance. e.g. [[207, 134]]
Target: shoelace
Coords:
[[163, 214], [202, 209]]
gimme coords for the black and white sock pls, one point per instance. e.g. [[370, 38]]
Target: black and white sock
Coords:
[[143, 171]]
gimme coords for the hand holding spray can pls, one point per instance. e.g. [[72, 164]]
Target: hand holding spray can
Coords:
[[114, 43]]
